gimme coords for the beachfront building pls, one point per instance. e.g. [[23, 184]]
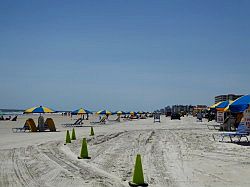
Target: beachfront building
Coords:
[[167, 109], [227, 97], [182, 108]]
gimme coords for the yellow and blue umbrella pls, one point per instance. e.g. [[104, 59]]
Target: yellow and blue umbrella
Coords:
[[240, 104], [223, 105], [104, 112], [132, 113], [215, 105], [40, 109], [119, 112], [81, 111], [141, 112]]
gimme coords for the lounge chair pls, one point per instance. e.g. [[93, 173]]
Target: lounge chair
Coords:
[[157, 118], [14, 119], [78, 123], [242, 132], [102, 121], [29, 125], [118, 119]]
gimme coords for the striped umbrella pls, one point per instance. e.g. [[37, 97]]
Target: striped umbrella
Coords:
[[141, 112], [132, 113], [240, 104], [223, 106], [104, 112], [81, 111], [215, 105], [40, 109], [119, 112]]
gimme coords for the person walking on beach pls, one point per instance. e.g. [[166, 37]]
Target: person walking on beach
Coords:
[[199, 116]]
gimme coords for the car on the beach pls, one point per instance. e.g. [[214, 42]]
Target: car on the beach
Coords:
[[175, 116]]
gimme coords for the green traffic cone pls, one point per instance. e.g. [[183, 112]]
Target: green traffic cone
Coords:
[[73, 136], [67, 138], [84, 151], [92, 133], [138, 178]]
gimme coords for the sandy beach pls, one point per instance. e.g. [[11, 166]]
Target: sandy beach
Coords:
[[174, 153]]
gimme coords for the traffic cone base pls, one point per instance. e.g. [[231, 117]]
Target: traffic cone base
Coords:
[[84, 158], [133, 184]]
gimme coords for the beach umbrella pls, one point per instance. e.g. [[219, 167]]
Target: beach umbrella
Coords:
[[215, 105], [240, 104], [132, 113], [141, 112], [119, 112], [223, 105], [81, 111], [39, 109], [104, 112]]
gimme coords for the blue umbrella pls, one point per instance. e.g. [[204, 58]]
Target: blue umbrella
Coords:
[[240, 104], [223, 105]]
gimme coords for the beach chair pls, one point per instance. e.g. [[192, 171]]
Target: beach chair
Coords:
[[118, 119], [157, 118], [241, 132], [14, 119], [49, 124], [29, 125], [102, 121], [77, 123]]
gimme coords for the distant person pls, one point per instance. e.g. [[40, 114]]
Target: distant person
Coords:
[[41, 123], [199, 116]]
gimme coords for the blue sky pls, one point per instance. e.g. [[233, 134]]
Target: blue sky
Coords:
[[130, 55]]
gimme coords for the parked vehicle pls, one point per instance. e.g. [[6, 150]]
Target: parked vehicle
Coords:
[[175, 116]]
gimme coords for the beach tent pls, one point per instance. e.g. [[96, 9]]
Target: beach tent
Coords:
[[104, 112], [81, 111], [39, 109], [240, 104], [223, 105]]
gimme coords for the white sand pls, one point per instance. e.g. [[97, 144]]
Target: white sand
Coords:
[[174, 153]]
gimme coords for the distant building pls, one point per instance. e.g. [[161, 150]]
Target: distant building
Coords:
[[182, 108], [167, 109], [220, 98], [162, 111]]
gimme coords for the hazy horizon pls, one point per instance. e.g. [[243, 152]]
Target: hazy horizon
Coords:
[[122, 55]]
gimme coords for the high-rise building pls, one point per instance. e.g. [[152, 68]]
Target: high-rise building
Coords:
[[220, 98]]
